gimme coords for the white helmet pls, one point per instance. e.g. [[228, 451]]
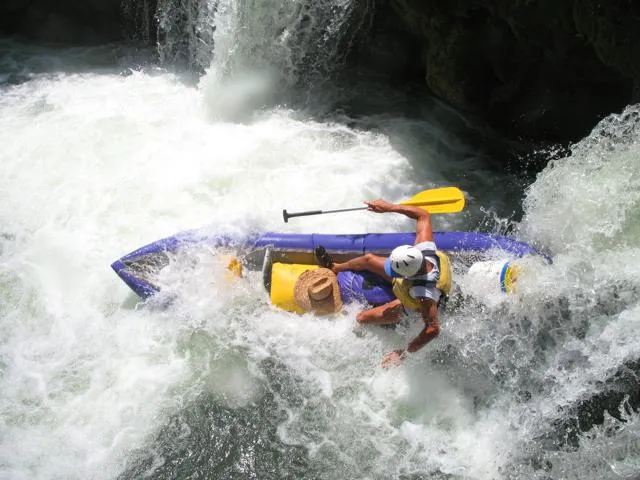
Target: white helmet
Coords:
[[404, 261]]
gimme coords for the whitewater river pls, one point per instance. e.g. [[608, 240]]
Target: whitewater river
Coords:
[[99, 156]]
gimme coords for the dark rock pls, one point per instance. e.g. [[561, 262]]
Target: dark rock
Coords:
[[73, 22], [611, 28], [618, 393], [541, 71]]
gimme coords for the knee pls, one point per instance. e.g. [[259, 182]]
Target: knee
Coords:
[[369, 257]]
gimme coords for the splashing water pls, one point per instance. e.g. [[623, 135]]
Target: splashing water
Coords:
[[95, 385]]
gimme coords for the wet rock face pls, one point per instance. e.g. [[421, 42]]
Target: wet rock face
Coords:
[[540, 70], [66, 21]]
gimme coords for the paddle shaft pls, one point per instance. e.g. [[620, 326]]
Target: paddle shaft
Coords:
[[287, 216]]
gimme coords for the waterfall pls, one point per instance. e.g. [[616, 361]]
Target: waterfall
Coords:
[[298, 40]]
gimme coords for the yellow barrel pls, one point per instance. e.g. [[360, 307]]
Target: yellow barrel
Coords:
[[283, 280]]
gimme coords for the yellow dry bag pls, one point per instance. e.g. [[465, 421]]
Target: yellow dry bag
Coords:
[[283, 281]]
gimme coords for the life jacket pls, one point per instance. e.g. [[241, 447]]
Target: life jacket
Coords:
[[401, 286]]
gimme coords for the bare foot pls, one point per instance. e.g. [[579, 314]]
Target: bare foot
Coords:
[[323, 258]]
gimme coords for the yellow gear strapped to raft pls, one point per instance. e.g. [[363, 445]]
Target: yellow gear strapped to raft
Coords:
[[283, 281], [234, 267], [401, 286]]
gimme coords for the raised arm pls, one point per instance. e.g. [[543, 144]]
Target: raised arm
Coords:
[[424, 232]]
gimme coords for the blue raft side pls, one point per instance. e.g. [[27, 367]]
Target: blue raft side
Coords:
[[352, 243], [171, 244], [385, 242], [189, 238]]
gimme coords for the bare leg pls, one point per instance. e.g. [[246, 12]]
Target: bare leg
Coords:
[[368, 261], [387, 314]]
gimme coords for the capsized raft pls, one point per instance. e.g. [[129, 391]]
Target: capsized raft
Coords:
[[140, 268]]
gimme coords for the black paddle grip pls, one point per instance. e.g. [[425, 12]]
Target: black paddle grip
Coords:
[[287, 216]]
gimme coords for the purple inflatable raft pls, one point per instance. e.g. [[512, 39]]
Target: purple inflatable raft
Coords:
[[140, 269]]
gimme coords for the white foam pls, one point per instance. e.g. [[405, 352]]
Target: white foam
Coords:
[[96, 165]]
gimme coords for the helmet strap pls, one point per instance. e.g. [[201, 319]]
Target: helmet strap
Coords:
[[423, 266]]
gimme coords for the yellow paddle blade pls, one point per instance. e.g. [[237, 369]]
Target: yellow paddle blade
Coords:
[[438, 200]]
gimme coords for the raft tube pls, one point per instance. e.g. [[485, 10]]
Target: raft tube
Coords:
[[138, 268]]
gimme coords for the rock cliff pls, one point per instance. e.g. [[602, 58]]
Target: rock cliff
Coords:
[[539, 70]]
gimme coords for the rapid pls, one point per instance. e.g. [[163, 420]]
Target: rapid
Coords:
[[103, 151]]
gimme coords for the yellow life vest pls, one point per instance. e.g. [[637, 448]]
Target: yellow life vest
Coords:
[[401, 286]]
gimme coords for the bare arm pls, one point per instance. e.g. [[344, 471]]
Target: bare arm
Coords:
[[424, 231], [429, 312]]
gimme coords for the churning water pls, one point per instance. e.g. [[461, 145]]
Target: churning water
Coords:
[[98, 158]]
